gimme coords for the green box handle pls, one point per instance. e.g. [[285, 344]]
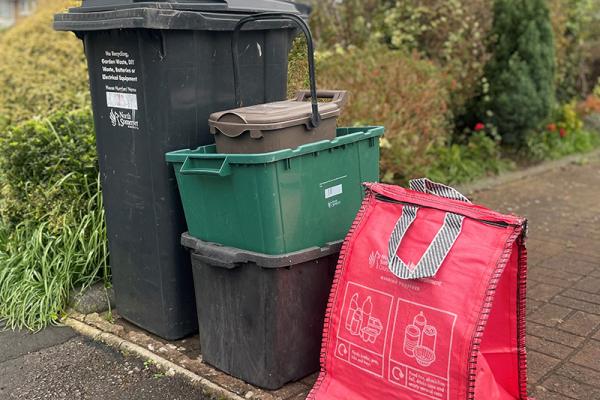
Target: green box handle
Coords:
[[217, 166]]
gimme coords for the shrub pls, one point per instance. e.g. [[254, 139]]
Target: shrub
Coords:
[[347, 23], [403, 92], [521, 71], [572, 22], [450, 33], [35, 156], [41, 70], [52, 229], [459, 163], [563, 136]]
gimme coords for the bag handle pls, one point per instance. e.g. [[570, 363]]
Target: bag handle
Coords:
[[315, 120], [442, 243], [424, 185]]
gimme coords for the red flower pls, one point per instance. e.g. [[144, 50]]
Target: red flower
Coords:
[[479, 127], [562, 132], [552, 127]]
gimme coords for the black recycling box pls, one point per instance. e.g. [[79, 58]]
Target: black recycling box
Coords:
[[261, 316], [157, 71]]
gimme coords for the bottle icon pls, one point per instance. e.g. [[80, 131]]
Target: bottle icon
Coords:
[[367, 308], [420, 321], [356, 322], [360, 320], [351, 311]]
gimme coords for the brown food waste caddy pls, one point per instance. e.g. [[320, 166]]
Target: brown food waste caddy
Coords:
[[275, 126], [280, 125]]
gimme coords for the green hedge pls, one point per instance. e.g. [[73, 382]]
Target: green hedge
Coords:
[[41, 70], [46, 164], [52, 228]]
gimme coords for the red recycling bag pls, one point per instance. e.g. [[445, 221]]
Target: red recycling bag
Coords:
[[428, 301]]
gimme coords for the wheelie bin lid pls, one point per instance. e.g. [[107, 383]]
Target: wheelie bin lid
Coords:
[[217, 15]]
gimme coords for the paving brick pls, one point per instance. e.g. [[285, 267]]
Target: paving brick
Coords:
[[553, 276], [539, 250], [311, 379], [300, 396], [588, 356], [579, 295], [548, 348], [579, 373], [542, 393], [585, 247], [581, 323], [590, 285], [570, 388], [533, 305], [538, 365], [543, 292], [576, 304], [555, 281], [550, 314], [593, 259], [554, 335], [290, 391], [570, 263]]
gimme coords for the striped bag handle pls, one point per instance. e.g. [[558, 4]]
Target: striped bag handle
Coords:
[[442, 243]]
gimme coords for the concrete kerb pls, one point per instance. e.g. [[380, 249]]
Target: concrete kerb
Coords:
[[161, 363]]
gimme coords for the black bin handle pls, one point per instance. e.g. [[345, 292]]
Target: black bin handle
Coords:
[[316, 117]]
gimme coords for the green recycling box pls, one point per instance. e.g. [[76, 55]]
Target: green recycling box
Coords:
[[279, 202]]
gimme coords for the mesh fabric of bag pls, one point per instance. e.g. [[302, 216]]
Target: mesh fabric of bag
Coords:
[[428, 301]]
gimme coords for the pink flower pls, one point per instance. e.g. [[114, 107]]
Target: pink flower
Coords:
[[479, 127]]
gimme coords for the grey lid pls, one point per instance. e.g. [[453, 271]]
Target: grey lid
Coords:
[[229, 6], [277, 115], [210, 15]]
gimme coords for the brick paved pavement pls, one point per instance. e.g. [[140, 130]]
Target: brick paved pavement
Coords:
[[563, 207]]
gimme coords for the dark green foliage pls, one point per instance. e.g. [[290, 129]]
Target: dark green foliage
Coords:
[[52, 230], [464, 162], [40, 153], [521, 71]]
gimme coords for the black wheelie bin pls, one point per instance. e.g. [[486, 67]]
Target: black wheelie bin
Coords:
[[158, 70]]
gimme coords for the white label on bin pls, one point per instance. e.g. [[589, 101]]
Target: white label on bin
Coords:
[[333, 191], [121, 82], [126, 101]]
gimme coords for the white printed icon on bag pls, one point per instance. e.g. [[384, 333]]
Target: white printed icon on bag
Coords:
[[420, 341], [360, 322]]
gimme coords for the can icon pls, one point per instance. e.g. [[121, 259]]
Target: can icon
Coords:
[[412, 338]]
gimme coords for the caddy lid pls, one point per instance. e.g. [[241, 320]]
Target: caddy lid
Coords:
[[276, 115]]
